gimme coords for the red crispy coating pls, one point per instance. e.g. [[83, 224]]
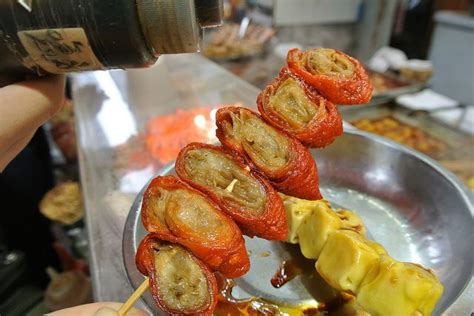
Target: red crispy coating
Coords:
[[270, 225], [356, 90], [145, 263], [299, 177], [321, 131], [226, 254]]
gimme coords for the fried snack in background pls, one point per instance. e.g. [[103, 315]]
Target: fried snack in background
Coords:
[[63, 203], [382, 82], [405, 134], [225, 42], [180, 283], [282, 159], [244, 195], [292, 105], [336, 76], [177, 212]]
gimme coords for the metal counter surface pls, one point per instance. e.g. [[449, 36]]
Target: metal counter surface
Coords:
[[112, 109]]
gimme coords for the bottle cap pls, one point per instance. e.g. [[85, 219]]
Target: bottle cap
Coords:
[[172, 27]]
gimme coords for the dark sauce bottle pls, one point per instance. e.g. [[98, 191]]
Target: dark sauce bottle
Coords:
[[59, 36]]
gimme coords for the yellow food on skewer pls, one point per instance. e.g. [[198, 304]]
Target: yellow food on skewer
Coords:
[[296, 211], [346, 260], [350, 262], [299, 213], [351, 221], [315, 230], [399, 288]]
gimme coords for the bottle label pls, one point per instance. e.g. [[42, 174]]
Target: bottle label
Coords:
[[60, 50]]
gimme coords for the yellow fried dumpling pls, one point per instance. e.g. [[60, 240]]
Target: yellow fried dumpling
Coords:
[[296, 211], [346, 259], [315, 229], [376, 246], [350, 220], [399, 289]]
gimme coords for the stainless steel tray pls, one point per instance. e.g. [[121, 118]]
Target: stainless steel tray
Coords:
[[419, 211], [405, 87]]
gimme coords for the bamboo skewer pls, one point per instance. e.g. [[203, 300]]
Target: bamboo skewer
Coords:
[[231, 185], [106, 311], [134, 297]]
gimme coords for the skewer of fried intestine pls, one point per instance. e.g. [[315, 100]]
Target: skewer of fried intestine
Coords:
[[107, 311]]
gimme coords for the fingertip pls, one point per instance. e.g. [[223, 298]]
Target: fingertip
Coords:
[[98, 307]]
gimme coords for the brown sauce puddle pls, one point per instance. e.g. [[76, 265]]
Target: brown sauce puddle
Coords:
[[229, 306]]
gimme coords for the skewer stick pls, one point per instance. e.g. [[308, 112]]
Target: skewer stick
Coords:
[[231, 185], [133, 298]]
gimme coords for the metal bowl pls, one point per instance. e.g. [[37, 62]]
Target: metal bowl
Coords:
[[419, 211]]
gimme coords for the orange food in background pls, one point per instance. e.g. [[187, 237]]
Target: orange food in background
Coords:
[[405, 134], [132, 154], [167, 134]]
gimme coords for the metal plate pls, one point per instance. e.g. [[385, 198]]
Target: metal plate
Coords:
[[415, 208], [404, 87]]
